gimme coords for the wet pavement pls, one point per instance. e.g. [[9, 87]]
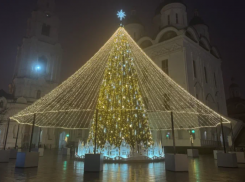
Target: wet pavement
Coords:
[[53, 167]]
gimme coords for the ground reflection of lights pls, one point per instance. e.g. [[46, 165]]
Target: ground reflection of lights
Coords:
[[196, 170], [65, 165], [79, 167]]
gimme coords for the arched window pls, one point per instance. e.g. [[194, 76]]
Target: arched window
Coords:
[[177, 18], [38, 94], [205, 74], [217, 101], [194, 69], [211, 102], [198, 91]]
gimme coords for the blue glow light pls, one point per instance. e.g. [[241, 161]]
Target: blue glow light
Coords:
[[121, 15], [38, 67]]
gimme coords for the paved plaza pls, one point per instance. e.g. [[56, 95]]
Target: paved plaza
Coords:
[[53, 167]]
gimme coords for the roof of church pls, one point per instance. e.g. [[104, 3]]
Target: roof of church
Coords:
[[196, 20], [164, 3], [133, 18], [5, 94]]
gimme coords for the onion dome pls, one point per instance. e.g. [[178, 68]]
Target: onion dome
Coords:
[[196, 20], [166, 2]]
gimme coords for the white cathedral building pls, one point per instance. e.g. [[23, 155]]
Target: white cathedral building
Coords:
[[181, 48], [184, 51]]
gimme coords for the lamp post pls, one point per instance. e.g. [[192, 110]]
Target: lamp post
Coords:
[[232, 139], [223, 137], [172, 122], [33, 124], [95, 137], [6, 136], [217, 137], [17, 136], [40, 131]]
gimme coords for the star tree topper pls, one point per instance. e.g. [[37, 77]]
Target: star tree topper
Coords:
[[121, 15]]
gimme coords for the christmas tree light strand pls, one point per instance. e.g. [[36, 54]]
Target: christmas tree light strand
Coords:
[[128, 89]]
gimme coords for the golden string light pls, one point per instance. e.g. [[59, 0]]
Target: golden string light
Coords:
[[72, 104]]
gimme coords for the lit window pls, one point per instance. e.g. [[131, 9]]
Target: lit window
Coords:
[[165, 66], [194, 69]]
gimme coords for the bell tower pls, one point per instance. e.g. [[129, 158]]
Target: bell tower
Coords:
[[38, 60]]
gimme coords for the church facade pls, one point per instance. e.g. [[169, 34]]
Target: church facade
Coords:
[[183, 50]]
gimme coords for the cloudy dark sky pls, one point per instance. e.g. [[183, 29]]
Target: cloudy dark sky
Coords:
[[87, 24]]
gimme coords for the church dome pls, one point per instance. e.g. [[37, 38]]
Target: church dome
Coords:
[[133, 18], [166, 2], [196, 20]]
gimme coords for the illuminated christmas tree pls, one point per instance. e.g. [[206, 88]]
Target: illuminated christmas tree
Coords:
[[122, 89], [120, 106]]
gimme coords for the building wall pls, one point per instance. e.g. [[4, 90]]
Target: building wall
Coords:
[[210, 93], [28, 54], [171, 50], [181, 51]]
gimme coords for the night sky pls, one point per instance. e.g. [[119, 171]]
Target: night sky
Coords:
[[87, 24]]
